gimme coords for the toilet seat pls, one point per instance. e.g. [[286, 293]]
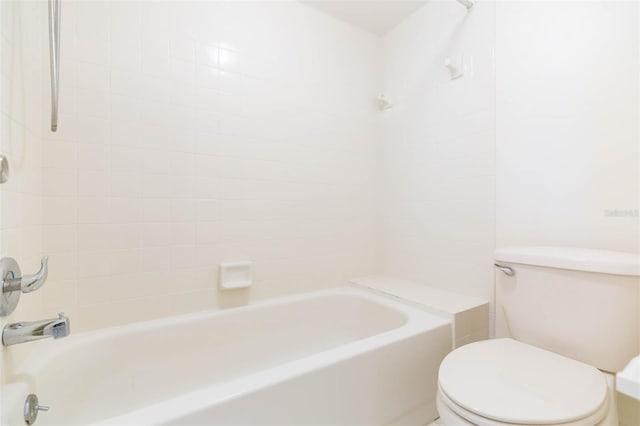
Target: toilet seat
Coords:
[[504, 381], [467, 417]]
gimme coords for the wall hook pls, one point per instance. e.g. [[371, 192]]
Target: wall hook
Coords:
[[455, 71], [383, 103]]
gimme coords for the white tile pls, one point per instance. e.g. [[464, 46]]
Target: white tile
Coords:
[[93, 157], [59, 238], [60, 183], [154, 258], [124, 159], [93, 209], [92, 32], [94, 103], [59, 210], [93, 183], [156, 210], [183, 233], [155, 234], [185, 145], [183, 210], [125, 210], [92, 76], [125, 184], [60, 155], [108, 236], [207, 54]]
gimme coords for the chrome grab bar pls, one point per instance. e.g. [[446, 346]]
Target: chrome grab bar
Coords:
[[54, 59], [508, 270]]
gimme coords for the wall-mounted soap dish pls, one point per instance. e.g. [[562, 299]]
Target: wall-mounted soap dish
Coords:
[[235, 275]]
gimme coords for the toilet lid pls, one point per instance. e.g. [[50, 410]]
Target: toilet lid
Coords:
[[513, 382]]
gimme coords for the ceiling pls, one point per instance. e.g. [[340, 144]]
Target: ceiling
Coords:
[[377, 17]]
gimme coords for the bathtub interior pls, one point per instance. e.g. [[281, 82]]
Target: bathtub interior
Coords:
[[90, 381]]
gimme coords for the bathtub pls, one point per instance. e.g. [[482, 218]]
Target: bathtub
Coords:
[[337, 357]]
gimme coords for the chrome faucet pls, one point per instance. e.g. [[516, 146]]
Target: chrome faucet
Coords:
[[21, 332]]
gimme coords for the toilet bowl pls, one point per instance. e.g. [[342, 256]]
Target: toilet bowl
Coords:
[[564, 316], [506, 382]]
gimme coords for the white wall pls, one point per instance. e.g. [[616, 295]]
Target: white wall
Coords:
[[22, 29], [567, 124], [562, 110], [193, 133], [438, 151], [21, 133]]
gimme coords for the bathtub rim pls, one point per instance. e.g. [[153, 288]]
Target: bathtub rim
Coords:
[[199, 399], [36, 359], [416, 321]]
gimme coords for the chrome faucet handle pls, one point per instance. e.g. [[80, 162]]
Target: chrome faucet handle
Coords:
[[508, 270], [14, 283], [33, 282], [28, 283]]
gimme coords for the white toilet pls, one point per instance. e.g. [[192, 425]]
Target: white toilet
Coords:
[[566, 321]]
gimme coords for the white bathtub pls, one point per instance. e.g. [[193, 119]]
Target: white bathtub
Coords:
[[342, 356]]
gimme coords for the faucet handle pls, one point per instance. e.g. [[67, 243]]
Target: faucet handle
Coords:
[[30, 283], [27, 283], [14, 283]]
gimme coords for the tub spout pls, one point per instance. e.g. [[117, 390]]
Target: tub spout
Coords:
[[21, 332]]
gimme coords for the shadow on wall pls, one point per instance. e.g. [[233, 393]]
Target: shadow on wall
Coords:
[[233, 298]]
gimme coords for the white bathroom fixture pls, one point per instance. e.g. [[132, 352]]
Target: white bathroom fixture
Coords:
[[329, 357], [234, 275], [628, 380], [455, 66], [566, 321], [469, 315], [383, 103]]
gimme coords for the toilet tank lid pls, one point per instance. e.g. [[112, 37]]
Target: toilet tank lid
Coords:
[[573, 258]]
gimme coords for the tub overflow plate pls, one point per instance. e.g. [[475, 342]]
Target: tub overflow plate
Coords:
[[31, 409]]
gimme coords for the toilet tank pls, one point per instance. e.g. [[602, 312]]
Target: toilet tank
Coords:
[[580, 303]]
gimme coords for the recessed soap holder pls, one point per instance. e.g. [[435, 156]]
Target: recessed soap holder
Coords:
[[234, 275]]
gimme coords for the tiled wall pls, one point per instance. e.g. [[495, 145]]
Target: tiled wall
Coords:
[[438, 153], [568, 142], [193, 133], [22, 29]]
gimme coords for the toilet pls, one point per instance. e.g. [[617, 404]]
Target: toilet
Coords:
[[566, 321]]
